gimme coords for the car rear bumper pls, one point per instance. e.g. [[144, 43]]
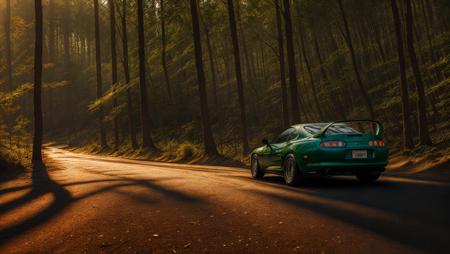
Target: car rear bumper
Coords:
[[345, 168]]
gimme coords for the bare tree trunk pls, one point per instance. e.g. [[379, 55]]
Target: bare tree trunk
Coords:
[[284, 95], [424, 136], [212, 66], [208, 139], [240, 85], [52, 59], [8, 49], [433, 56], [98, 65], [164, 47], [38, 123], [126, 70], [348, 40], [147, 141], [112, 22], [291, 63], [407, 135], [336, 96], [308, 68]]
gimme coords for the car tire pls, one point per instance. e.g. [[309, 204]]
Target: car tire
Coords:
[[368, 177], [291, 172], [256, 170]]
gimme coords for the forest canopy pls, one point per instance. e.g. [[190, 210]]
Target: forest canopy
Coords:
[[218, 76]]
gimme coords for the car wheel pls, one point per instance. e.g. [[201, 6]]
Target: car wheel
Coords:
[[257, 171], [292, 174], [368, 177]]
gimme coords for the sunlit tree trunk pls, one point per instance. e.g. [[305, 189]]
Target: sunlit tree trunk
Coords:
[[112, 22], [126, 70], [98, 66], [208, 139], [38, 123], [8, 49], [147, 141], [424, 136], [293, 82], [407, 136], [164, 49], [349, 42], [284, 95], [238, 70]]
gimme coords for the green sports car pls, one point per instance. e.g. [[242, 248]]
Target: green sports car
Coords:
[[354, 147]]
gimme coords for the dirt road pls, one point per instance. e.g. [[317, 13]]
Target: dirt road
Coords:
[[84, 203]]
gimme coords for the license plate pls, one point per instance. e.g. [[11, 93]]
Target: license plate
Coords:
[[359, 154]]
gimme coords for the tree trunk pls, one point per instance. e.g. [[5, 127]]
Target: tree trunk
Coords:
[[407, 135], [8, 49], [163, 54], [212, 66], [147, 141], [126, 70], [433, 56], [293, 82], [240, 85], [38, 123], [284, 95], [308, 68], [336, 96], [348, 40], [421, 101], [112, 23], [208, 139], [98, 65]]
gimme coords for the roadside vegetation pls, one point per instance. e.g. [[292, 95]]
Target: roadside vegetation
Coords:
[[205, 81]]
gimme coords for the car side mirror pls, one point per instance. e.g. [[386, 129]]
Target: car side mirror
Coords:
[[265, 142]]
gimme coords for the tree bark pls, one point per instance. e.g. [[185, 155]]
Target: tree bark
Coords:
[[98, 66], [164, 49], [8, 49], [126, 70], [38, 122], [147, 141], [212, 66], [407, 134], [293, 82], [335, 99], [208, 139], [112, 23], [238, 70], [284, 95], [348, 40], [424, 136], [308, 68]]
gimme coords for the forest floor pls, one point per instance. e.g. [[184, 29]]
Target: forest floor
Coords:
[[95, 203]]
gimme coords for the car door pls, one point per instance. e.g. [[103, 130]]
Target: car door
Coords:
[[275, 152]]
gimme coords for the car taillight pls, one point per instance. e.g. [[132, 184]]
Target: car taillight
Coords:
[[377, 143], [332, 144]]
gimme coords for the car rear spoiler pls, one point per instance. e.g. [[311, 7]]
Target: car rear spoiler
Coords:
[[378, 131]]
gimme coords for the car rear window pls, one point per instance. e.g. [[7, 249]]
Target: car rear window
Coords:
[[333, 130], [313, 129], [341, 129]]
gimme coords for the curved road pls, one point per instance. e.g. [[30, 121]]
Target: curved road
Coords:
[[94, 204]]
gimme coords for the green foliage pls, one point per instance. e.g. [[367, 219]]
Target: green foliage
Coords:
[[71, 107]]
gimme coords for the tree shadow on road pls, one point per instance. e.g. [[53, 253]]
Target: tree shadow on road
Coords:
[[410, 213], [42, 184]]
